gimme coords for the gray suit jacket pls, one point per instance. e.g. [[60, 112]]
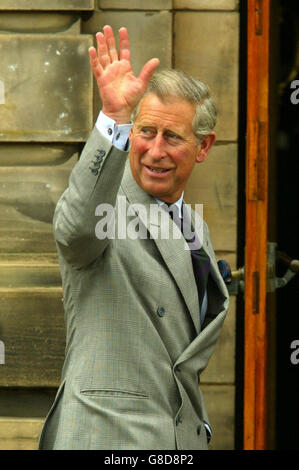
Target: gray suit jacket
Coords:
[[135, 348]]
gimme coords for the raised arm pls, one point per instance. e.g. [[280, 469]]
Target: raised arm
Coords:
[[96, 177], [120, 90]]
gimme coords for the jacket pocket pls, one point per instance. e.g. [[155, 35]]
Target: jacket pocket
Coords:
[[112, 393]]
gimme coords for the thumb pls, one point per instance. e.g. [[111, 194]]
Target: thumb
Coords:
[[148, 70]]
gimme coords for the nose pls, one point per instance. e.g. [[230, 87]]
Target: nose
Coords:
[[157, 148]]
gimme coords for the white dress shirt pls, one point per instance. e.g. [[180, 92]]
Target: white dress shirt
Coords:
[[117, 134]]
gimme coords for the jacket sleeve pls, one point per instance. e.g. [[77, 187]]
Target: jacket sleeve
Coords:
[[95, 179]]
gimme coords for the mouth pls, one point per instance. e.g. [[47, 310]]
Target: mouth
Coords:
[[157, 171]]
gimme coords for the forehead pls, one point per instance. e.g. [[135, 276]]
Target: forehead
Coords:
[[171, 112]]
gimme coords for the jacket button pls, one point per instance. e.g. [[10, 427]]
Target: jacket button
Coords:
[[94, 171], [198, 429], [101, 153], [110, 131], [161, 311], [178, 420], [99, 158]]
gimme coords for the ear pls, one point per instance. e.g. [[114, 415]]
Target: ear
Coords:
[[205, 146]]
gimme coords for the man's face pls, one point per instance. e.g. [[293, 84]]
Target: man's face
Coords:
[[163, 148]]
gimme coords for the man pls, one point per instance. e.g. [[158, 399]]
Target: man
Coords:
[[139, 332]]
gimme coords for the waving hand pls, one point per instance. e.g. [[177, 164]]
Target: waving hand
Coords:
[[119, 88]]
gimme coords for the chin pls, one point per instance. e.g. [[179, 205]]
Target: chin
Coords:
[[158, 193], [154, 190]]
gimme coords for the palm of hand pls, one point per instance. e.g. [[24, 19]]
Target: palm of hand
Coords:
[[120, 90], [119, 87]]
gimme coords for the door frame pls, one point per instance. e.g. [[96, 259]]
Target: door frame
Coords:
[[256, 226]]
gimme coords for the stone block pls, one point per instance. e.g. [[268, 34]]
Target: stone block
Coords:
[[28, 196], [40, 22], [18, 444], [220, 403], [135, 4], [150, 33], [46, 5], [34, 270], [20, 433], [47, 88], [213, 183], [206, 4], [32, 329], [26, 402], [150, 36], [206, 45], [37, 154]]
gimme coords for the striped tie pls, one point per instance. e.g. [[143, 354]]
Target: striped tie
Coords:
[[200, 259]]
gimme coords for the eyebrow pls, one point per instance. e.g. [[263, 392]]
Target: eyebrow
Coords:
[[167, 130]]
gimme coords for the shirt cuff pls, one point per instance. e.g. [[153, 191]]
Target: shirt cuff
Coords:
[[118, 135]]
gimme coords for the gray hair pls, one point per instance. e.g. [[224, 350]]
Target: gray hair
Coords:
[[174, 83]]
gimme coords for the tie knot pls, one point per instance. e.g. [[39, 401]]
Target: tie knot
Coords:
[[173, 211]]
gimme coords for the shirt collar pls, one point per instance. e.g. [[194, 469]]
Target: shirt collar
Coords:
[[178, 203]]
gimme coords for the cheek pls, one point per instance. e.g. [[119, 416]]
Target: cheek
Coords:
[[185, 163], [138, 147]]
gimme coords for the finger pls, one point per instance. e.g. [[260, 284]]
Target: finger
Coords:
[[103, 54], [124, 44], [94, 62], [148, 70], [110, 41]]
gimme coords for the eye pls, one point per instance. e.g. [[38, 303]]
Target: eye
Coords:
[[173, 138], [147, 131]]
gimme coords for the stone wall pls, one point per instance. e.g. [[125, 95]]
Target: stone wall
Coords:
[[48, 105]]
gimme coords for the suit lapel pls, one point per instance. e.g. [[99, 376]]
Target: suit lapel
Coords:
[[175, 254], [179, 263]]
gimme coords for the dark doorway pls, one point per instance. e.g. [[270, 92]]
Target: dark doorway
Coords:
[[283, 224], [287, 198]]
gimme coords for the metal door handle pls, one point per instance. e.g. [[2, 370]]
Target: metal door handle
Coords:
[[235, 282]]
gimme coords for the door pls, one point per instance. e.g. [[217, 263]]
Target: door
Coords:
[[259, 306]]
